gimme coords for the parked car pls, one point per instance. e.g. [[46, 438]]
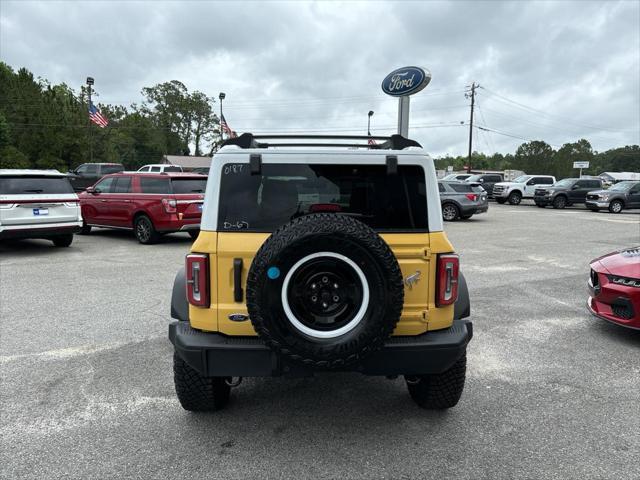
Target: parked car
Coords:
[[160, 168], [150, 204], [38, 204], [614, 287], [200, 170], [522, 187], [487, 180], [456, 176], [620, 196], [325, 260], [89, 173], [462, 200], [566, 192]]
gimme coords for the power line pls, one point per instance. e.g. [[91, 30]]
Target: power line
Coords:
[[566, 119]]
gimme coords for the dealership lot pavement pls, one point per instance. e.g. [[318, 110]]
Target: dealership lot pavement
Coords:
[[86, 381]]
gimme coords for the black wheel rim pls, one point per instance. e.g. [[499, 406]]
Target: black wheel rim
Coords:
[[616, 207], [325, 294], [143, 230]]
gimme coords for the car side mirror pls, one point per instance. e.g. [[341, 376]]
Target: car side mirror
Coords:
[[531, 182], [575, 187], [481, 180], [93, 191]]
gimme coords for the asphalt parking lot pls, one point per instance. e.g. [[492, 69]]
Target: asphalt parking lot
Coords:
[[87, 389]]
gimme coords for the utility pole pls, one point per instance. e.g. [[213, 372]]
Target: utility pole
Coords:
[[89, 83], [471, 95], [221, 97]]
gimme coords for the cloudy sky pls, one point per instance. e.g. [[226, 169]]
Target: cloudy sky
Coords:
[[556, 71]]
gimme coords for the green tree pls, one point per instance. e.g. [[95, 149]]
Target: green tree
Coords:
[[534, 157], [567, 154], [11, 157]]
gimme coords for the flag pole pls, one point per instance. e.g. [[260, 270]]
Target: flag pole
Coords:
[[89, 83]]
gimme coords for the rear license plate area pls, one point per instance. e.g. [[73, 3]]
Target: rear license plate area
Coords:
[[38, 212]]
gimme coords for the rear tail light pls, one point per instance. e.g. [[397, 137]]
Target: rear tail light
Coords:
[[447, 279], [197, 270], [471, 196], [169, 205]]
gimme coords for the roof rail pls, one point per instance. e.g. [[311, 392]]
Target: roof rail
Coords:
[[393, 142]]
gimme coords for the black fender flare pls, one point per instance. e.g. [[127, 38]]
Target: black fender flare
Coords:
[[462, 307], [179, 303]]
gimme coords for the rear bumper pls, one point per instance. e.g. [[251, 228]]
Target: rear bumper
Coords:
[[475, 210], [217, 355], [38, 231], [175, 225]]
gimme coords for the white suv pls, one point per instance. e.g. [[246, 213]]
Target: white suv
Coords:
[[160, 168], [38, 204], [522, 187]]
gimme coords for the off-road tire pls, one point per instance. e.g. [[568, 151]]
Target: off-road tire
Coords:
[[501, 201], [194, 234], [144, 230], [515, 198], [62, 240], [450, 212], [293, 243], [85, 229], [197, 393], [616, 206], [560, 202], [439, 391]]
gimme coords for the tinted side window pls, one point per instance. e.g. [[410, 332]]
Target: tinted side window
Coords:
[[441, 187], [105, 185], [154, 185], [594, 184], [460, 187], [91, 170], [492, 178], [123, 185], [30, 185], [544, 181], [155, 169], [281, 193], [173, 168], [112, 169]]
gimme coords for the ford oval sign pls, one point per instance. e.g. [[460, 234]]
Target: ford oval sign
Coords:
[[405, 81]]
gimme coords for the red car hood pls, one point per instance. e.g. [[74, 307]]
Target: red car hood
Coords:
[[625, 263]]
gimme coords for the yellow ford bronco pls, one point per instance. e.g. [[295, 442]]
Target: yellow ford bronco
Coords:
[[316, 254]]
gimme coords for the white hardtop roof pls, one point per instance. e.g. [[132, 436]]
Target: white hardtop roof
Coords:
[[23, 172], [320, 153]]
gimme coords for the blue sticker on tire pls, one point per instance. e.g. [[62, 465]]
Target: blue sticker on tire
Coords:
[[273, 273]]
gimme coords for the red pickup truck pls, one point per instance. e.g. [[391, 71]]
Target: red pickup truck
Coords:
[[150, 204]]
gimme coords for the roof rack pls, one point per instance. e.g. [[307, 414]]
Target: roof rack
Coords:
[[394, 142]]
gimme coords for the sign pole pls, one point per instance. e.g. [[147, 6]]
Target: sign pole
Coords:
[[403, 116]]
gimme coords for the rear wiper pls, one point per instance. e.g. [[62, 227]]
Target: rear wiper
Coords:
[[35, 190]]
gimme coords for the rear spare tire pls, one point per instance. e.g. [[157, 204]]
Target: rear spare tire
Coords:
[[325, 290]]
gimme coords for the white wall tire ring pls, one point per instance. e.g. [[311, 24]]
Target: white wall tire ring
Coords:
[[325, 334]]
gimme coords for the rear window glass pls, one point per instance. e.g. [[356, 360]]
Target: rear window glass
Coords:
[[189, 185], [30, 185], [154, 185], [461, 187], [283, 192]]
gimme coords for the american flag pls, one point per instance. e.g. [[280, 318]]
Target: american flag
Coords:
[[226, 129], [371, 140], [96, 117]]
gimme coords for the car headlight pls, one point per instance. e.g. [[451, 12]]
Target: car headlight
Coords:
[[604, 196], [551, 192]]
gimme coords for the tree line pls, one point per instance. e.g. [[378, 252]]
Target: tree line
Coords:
[[47, 126]]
